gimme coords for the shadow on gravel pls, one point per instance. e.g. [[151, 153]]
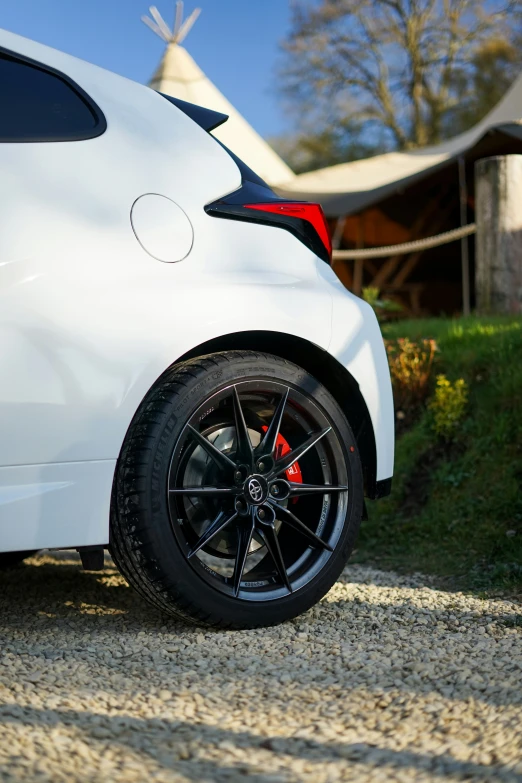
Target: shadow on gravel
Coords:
[[46, 585], [92, 653], [61, 590], [162, 740], [54, 594]]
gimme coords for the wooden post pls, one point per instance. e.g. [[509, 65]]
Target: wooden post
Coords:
[[341, 268], [358, 268], [388, 268], [338, 232], [464, 256], [498, 213]]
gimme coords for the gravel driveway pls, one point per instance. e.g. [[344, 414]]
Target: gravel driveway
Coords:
[[388, 679]]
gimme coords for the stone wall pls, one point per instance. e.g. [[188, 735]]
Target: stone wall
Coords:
[[498, 214]]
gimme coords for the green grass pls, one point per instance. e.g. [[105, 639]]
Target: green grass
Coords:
[[457, 511]]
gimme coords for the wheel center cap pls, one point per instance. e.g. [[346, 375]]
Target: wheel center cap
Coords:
[[256, 490]]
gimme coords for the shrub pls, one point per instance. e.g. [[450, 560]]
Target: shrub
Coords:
[[381, 307], [448, 406], [410, 368]]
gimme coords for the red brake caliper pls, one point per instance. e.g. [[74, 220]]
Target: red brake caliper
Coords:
[[294, 471]]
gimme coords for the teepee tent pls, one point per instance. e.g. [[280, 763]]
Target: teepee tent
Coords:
[[178, 75]]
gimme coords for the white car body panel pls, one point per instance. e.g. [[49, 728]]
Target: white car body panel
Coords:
[[358, 345], [55, 505], [89, 319]]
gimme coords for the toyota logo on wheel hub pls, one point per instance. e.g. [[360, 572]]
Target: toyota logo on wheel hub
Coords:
[[256, 490]]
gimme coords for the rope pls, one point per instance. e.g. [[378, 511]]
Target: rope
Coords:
[[407, 247]]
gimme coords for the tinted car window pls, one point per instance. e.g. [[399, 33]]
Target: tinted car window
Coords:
[[38, 105]]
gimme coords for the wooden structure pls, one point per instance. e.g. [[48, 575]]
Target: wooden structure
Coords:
[[403, 196], [387, 200], [422, 281], [393, 275]]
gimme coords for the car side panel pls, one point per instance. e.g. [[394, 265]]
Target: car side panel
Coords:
[[61, 505], [89, 320], [358, 345], [83, 306]]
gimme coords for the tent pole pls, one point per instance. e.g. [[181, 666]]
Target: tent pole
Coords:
[[464, 241], [358, 267], [341, 267], [338, 232]]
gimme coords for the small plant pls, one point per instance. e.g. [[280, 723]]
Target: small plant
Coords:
[[380, 306], [448, 406], [410, 368]]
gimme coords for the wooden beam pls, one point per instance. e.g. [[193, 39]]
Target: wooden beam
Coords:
[[412, 261], [358, 276], [371, 266], [464, 255], [389, 267], [338, 232], [407, 268], [358, 269], [341, 268], [343, 271]]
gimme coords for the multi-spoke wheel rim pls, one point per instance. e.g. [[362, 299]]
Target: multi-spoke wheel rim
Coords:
[[258, 490]]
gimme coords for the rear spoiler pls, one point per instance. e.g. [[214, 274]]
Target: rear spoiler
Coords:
[[205, 118]]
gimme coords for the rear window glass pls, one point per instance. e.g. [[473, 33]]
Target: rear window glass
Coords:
[[39, 105]]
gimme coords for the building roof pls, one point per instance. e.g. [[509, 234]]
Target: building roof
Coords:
[[179, 75], [350, 187]]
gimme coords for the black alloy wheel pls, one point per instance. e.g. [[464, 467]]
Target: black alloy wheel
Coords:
[[262, 492], [244, 498]]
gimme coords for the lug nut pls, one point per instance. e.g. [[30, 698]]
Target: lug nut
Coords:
[[261, 514], [275, 490], [240, 506], [237, 475], [261, 466]]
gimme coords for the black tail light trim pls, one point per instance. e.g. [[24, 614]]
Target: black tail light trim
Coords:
[[206, 118], [233, 207]]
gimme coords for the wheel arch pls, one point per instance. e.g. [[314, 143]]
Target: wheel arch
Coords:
[[322, 366]]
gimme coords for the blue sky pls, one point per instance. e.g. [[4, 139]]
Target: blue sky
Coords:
[[234, 41]]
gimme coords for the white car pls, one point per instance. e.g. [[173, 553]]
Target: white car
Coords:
[[184, 380]]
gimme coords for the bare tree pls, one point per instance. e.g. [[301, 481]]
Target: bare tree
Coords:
[[495, 65], [396, 69], [314, 146]]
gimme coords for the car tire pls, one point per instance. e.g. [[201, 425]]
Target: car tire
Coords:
[[212, 521], [12, 559]]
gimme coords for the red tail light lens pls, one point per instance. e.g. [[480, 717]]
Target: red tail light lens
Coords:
[[312, 213]]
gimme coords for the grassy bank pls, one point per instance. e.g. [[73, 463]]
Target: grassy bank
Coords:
[[456, 509]]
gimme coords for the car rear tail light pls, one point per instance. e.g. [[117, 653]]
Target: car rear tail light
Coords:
[[311, 213], [256, 202], [305, 221]]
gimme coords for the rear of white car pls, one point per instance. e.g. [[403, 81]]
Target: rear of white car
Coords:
[[132, 244]]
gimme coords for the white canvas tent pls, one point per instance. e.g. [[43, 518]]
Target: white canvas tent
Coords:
[[350, 187], [179, 75]]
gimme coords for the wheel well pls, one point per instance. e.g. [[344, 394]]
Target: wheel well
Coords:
[[341, 385]]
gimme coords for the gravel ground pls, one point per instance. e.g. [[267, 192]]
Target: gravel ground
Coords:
[[388, 679]]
